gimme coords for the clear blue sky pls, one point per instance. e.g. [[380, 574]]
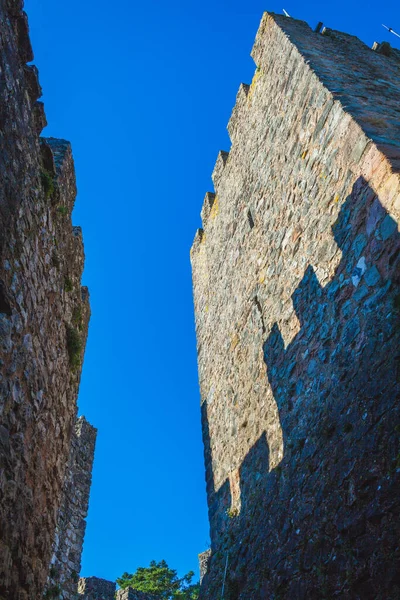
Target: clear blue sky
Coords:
[[144, 92]]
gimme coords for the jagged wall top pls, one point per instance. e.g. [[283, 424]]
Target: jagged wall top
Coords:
[[296, 277], [352, 72], [44, 314], [348, 68]]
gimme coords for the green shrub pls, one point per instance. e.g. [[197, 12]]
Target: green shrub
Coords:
[[47, 183], [74, 576], [55, 259], [68, 285], [52, 592], [74, 347], [62, 210], [53, 571], [77, 317], [163, 582]]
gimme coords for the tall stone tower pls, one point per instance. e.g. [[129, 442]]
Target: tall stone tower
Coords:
[[296, 277], [44, 314]]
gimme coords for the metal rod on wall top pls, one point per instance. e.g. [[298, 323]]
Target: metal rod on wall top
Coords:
[[391, 30]]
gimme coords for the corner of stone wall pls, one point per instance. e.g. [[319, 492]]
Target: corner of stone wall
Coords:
[[220, 164], [198, 239], [238, 112], [204, 559], [207, 208], [94, 588], [71, 525]]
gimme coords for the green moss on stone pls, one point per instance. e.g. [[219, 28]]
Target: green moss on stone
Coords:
[[47, 183], [74, 347]]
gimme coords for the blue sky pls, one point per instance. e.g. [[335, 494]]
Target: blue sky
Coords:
[[144, 92]]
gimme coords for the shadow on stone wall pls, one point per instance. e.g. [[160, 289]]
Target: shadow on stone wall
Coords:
[[324, 523]]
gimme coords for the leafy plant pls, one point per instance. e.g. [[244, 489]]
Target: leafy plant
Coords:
[[47, 183], [74, 347], [74, 576], [62, 210], [160, 580], [55, 259], [68, 285], [77, 317], [53, 571], [301, 443], [52, 592], [232, 512]]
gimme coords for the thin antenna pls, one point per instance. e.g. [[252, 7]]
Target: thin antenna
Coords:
[[285, 13], [391, 30], [223, 583]]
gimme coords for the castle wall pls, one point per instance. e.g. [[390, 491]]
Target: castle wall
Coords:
[[44, 315], [131, 594], [295, 276], [204, 559], [71, 525], [94, 588]]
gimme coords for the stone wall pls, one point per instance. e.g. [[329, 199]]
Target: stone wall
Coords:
[[44, 315], [67, 551], [204, 559], [297, 306], [131, 594], [93, 588]]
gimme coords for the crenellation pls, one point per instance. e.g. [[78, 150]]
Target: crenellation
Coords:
[[221, 161], [198, 238], [237, 113], [335, 58], [209, 200], [387, 50]]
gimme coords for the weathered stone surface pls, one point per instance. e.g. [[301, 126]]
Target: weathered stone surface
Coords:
[[131, 594], [296, 274], [204, 559], [93, 588], [71, 525], [43, 321]]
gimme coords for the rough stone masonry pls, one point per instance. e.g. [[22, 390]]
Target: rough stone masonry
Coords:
[[297, 305], [93, 588], [44, 314], [71, 525]]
